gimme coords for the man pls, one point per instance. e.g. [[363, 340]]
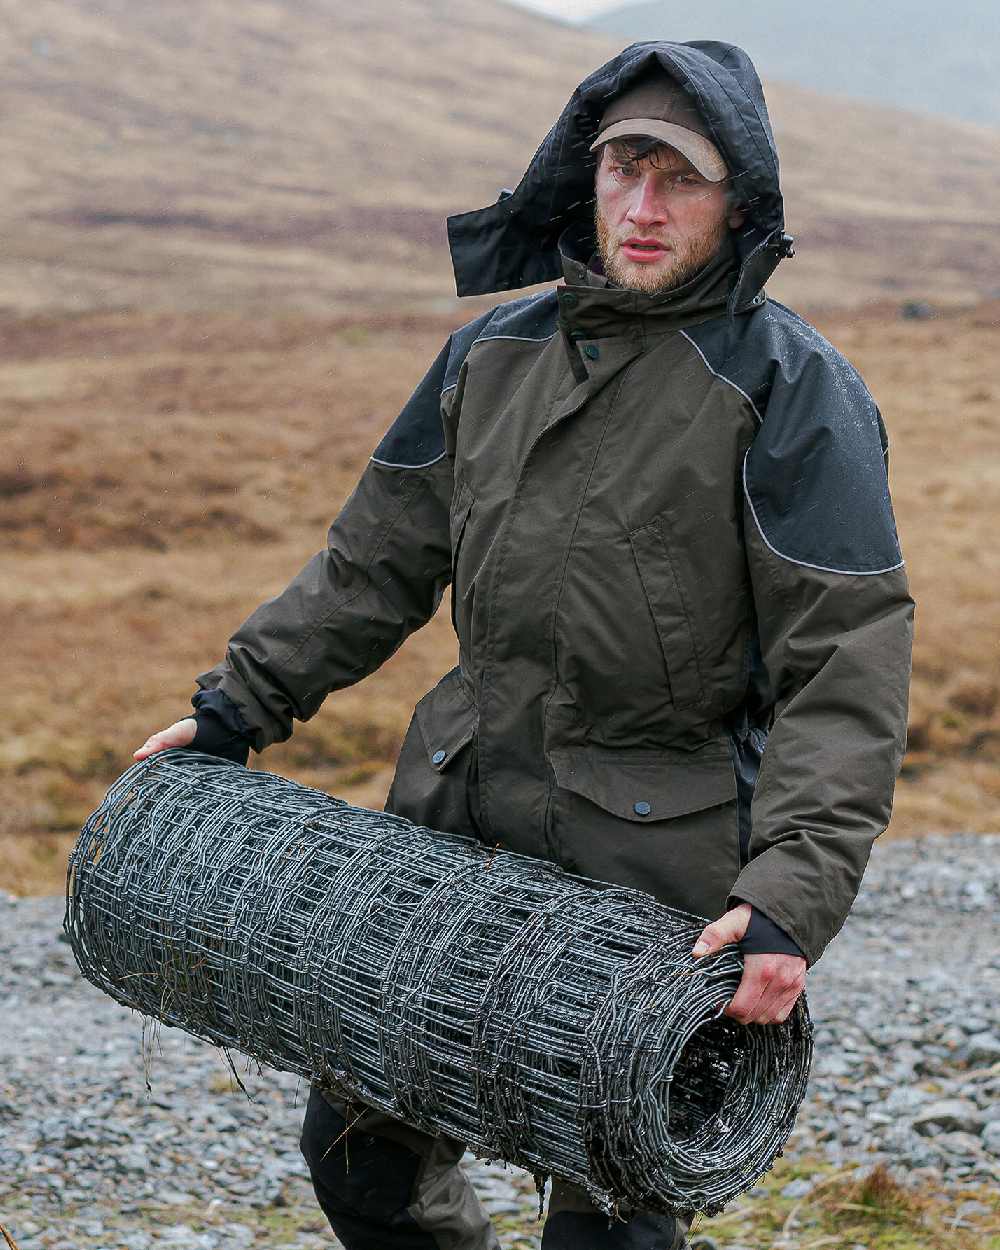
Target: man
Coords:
[[661, 500]]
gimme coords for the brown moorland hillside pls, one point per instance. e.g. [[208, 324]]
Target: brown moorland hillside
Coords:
[[303, 156], [169, 471]]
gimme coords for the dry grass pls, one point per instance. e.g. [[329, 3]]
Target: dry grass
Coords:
[[855, 1206], [169, 472], [942, 408]]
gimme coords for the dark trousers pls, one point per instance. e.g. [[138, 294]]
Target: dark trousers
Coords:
[[385, 1186]]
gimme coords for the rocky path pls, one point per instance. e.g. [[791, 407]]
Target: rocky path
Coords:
[[907, 1010]]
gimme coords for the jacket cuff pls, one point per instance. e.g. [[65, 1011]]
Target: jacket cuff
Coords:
[[234, 699], [770, 905], [765, 937], [221, 728]]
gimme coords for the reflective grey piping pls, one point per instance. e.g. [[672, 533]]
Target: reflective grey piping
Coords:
[[821, 568], [517, 338], [388, 464], [722, 377]]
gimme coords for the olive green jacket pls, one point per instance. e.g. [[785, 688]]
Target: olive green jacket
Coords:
[[683, 620]]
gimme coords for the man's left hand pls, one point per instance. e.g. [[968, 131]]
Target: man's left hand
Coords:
[[771, 984]]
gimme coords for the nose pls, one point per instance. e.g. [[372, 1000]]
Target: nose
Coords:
[[647, 206]]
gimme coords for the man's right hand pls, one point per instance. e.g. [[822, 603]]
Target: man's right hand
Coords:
[[180, 734]]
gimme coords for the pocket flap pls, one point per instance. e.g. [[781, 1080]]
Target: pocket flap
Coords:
[[644, 786], [447, 718]]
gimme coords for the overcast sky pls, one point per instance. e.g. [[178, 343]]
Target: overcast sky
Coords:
[[571, 9]]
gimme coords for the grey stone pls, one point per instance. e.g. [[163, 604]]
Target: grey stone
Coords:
[[905, 1099], [990, 1138], [797, 1188], [176, 1197], [179, 1234], [492, 1189], [237, 1236], [972, 1208], [958, 1143], [949, 1114], [952, 1037], [501, 1207], [833, 1065], [981, 1050]]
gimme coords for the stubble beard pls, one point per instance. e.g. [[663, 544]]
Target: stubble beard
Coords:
[[686, 259]]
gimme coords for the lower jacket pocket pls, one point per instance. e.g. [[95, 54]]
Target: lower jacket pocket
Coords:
[[665, 822], [435, 782]]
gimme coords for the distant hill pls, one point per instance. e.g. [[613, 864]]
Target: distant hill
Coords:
[[237, 157], [912, 54]]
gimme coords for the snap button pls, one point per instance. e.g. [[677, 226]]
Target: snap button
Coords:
[[591, 352], [641, 808], [439, 757], [570, 300]]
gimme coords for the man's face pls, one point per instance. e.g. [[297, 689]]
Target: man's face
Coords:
[[658, 220]]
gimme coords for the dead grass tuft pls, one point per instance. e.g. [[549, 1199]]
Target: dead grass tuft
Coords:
[[879, 1194]]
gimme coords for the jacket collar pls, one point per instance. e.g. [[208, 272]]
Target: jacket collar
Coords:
[[594, 307]]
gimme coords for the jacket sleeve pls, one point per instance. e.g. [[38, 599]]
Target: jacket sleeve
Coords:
[[834, 618], [381, 575]]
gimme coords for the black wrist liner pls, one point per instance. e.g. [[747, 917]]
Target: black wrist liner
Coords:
[[221, 728], [764, 937]]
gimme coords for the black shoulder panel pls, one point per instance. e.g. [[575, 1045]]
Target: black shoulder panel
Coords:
[[815, 476], [460, 343], [416, 438], [533, 317]]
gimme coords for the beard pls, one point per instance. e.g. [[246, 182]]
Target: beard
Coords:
[[680, 265]]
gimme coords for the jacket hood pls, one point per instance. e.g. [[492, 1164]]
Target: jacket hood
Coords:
[[515, 242]]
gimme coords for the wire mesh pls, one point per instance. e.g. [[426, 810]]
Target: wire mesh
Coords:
[[544, 1019]]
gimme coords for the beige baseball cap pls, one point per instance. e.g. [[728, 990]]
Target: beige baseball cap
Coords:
[[657, 107]]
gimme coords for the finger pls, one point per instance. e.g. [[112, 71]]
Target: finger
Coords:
[[730, 927], [781, 988], [784, 1008], [155, 742], [766, 1008], [743, 1004]]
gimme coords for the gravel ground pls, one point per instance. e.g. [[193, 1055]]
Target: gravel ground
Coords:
[[906, 1004]]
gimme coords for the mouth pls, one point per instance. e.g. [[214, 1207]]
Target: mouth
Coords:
[[644, 250]]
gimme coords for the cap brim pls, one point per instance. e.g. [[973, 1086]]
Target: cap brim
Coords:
[[701, 152]]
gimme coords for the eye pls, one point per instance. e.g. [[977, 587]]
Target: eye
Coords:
[[624, 170]]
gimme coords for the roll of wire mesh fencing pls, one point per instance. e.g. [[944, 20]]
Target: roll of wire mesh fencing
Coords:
[[544, 1019]]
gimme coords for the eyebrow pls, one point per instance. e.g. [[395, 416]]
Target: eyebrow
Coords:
[[622, 158]]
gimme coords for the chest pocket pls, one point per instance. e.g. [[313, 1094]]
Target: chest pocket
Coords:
[[671, 613]]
